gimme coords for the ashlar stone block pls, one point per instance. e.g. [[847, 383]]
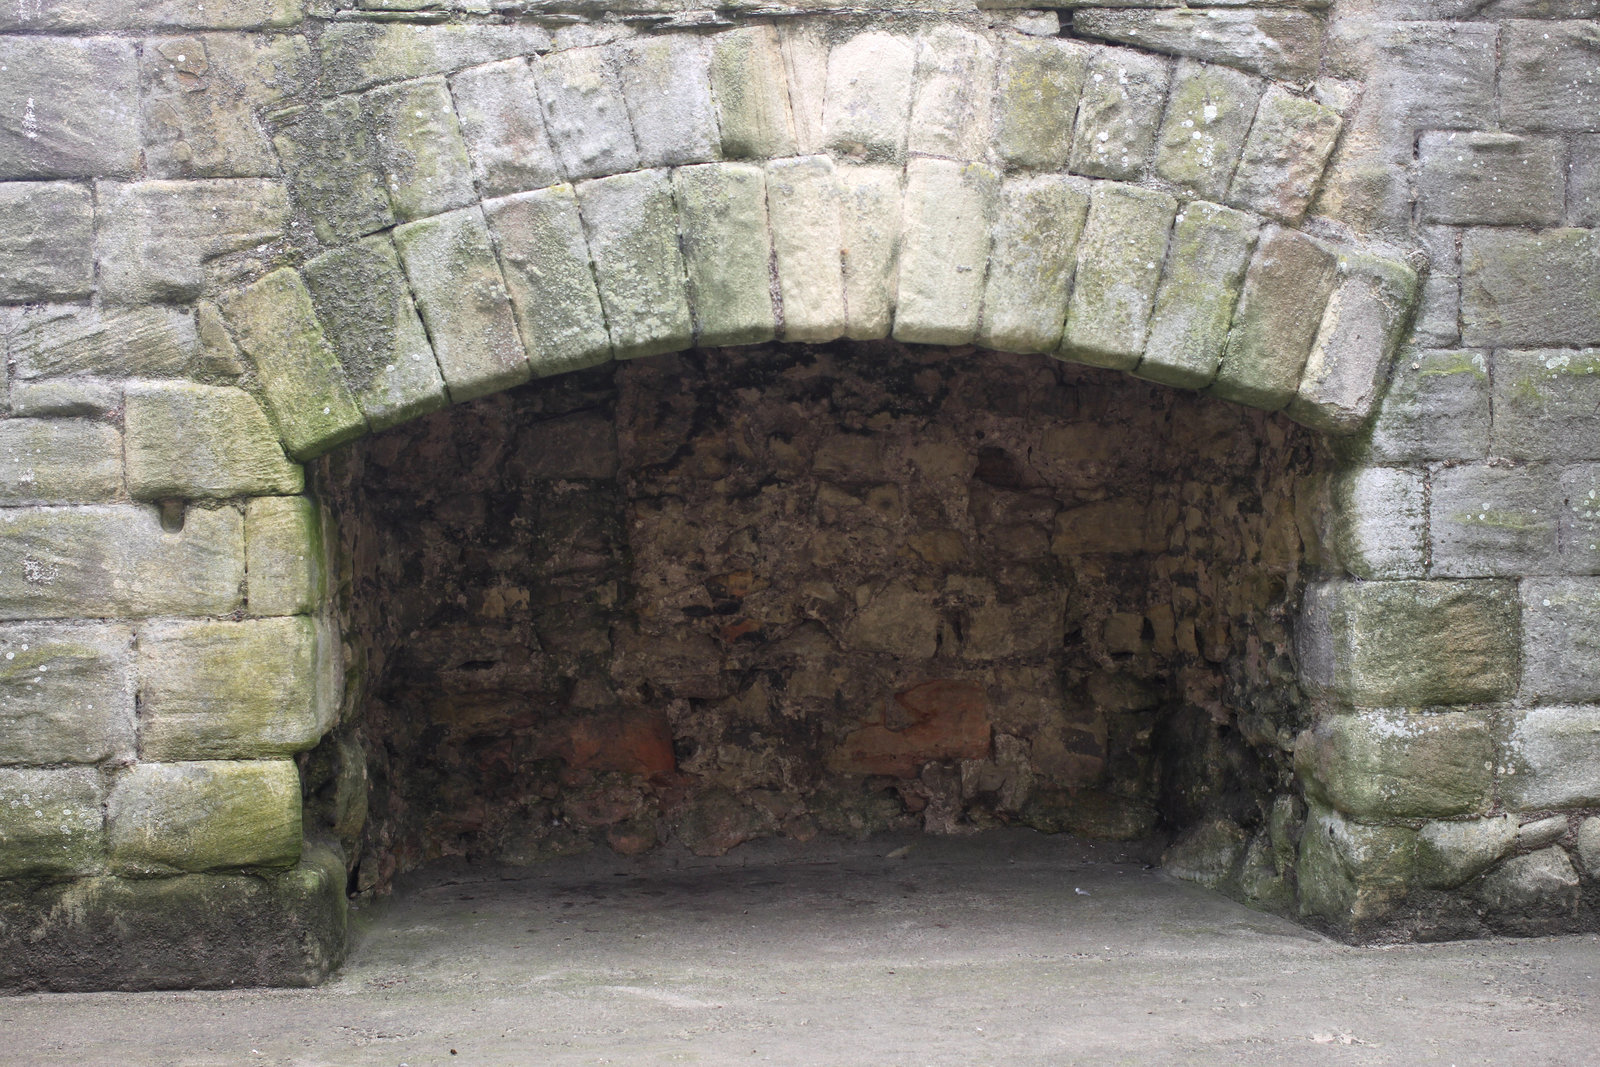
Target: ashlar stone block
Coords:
[[1583, 182], [585, 113], [1494, 521], [119, 15], [803, 204], [502, 123], [632, 227], [1396, 764], [727, 251], [1286, 289], [51, 824], [65, 398], [751, 91], [1530, 289], [944, 252], [424, 161], [284, 555], [1120, 257], [455, 277], [46, 241], [869, 233], [1578, 532], [331, 157], [1032, 261], [1208, 116], [952, 101], [165, 818], [69, 107], [1489, 178], [545, 260], [66, 693], [1544, 404], [140, 342], [59, 461], [190, 442], [1436, 407], [666, 84], [1561, 642], [868, 98], [1119, 113], [1205, 269], [1549, 78], [359, 54], [1552, 758], [1377, 524], [1286, 45], [1284, 156], [1040, 83]]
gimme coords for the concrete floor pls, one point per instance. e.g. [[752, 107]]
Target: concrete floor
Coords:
[[1008, 948]]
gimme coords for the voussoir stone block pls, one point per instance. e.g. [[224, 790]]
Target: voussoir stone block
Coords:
[[51, 824], [1284, 156], [1384, 763], [1205, 268], [632, 227], [236, 690], [46, 241], [1487, 178], [868, 102], [165, 818], [1491, 521], [331, 157], [1530, 289], [803, 204], [284, 554], [585, 113], [1120, 256], [666, 84], [1286, 289], [424, 161], [59, 461], [1032, 261], [1040, 83], [1119, 113], [69, 107], [502, 124], [188, 442], [1209, 112], [952, 102], [116, 561], [66, 693], [1561, 626], [751, 91], [1544, 404], [869, 235], [944, 250], [727, 251], [1279, 44], [140, 342]]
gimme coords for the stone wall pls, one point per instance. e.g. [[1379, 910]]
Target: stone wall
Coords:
[[234, 236]]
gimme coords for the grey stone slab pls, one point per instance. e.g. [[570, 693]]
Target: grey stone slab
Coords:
[[1377, 522], [155, 237], [632, 228], [1550, 76], [1455, 61], [359, 54], [69, 107], [751, 91], [1286, 289], [1120, 258], [1286, 45], [424, 162], [51, 823], [1439, 312], [1554, 757], [1209, 112], [1489, 178], [1436, 407], [502, 123], [46, 241], [727, 251], [59, 461], [1561, 640], [1392, 763], [66, 693], [285, 554], [1544, 404], [364, 304], [204, 815], [666, 83], [803, 204], [1583, 182], [65, 398], [1490, 521], [455, 277], [139, 342], [116, 561], [1119, 113], [1451, 853], [331, 157], [869, 233], [585, 113], [1032, 262], [1528, 290], [1284, 156], [545, 261], [57, 16], [1200, 286], [953, 93], [868, 101], [1579, 527], [192, 442], [944, 252], [1036, 100]]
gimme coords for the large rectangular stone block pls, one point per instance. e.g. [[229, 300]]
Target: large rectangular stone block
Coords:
[[1472, 178], [1436, 407], [1522, 289], [455, 277], [236, 690], [1032, 261], [1377, 522], [666, 83], [1391, 763], [360, 54], [424, 161], [868, 102], [944, 250], [1119, 113], [1545, 402], [1120, 257], [1490, 521], [1553, 759], [1208, 115], [951, 101], [66, 693], [1561, 639], [1286, 45], [1286, 289], [208, 815], [632, 227], [285, 556], [727, 250], [1350, 873], [46, 241], [57, 16], [1549, 75], [502, 123], [69, 107], [585, 113], [1284, 156], [1200, 287], [803, 204], [111, 561], [331, 157], [51, 824], [752, 94], [142, 342], [1040, 82], [193, 442], [869, 234], [59, 461]]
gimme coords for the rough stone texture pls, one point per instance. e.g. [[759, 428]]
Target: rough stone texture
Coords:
[[722, 209], [195, 442], [1031, 263], [1532, 893], [1286, 289], [60, 15], [146, 342], [1350, 873], [1549, 80], [46, 237], [666, 83], [66, 693], [1491, 178], [1119, 113], [1523, 289], [868, 99], [1491, 521], [869, 234], [1378, 526], [1589, 846], [1436, 407], [1362, 325], [1453, 853], [59, 461], [1583, 182], [51, 824], [1036, 102], [585, 113], [358, 54], [752, 94], [1208, 115], [284, 555], [330, 156], [421, 156], [1561, 619], [1208, 854], [69, 107], [1544, 403], [1204, 275], [803, 204], [502, 123], [1375, 764], [1541, 833], [1280, 44], [167, 818], [1282, 161], [632, 227], [950, 109], [944, 250], [1120, 257]]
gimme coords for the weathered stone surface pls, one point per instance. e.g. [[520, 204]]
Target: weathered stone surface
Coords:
[[65, 398], [1561, 627], [944, 250], [1120, 257], [1208, 115], [50, 823], [46, 241], [1032, 261], [938, 720], [1490, 521], [155, 237], [1283, 159], [1209, 854], [1553, 758], [236, 690], [66, 693], [545, 261], [331, 157], [951, 104], [1350, 874], [804, 45], [1583, 182], [58, 15], [356, 55], [666, 84], [1119, 113], [1527, 889], [424, 162], [1380, 764], [1205, 268], [502, 124], [59, 461], [1436, 407], [1541, 833], [205, 815], [870, 79], [450, 261], [803, 204], [1589, 846], [632, 228], [284, 555], [1368, 643], [752, 94], [1377, 526], [1544, 404], [1366, 316], [1549, 78], [115, 562], [1040, 81], [145, 342], [869, 234], [1522, 289], [1452, 853], [69, 107], [722, 209], [190, 442], [1490, 178], [301, 380], [1286, 45], [1286, 289], [585, 113]]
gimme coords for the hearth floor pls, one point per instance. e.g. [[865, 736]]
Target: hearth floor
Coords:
[[999, 948]]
